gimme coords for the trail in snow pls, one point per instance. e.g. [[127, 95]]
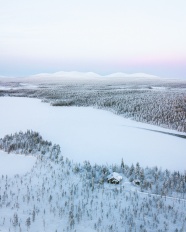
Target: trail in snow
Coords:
[[163, 132]]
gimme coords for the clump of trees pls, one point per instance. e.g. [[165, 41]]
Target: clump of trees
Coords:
[[29, 142], [152, 180]]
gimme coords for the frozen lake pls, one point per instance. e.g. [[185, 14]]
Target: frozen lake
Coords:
[[85, 133]]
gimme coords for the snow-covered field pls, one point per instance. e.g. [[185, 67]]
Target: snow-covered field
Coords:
[[12, 164], [91, 134]]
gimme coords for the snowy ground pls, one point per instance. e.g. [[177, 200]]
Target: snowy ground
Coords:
[[91, 134], [12, 164]]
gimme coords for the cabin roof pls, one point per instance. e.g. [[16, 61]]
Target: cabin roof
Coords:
[[137, 180], [115, 175]]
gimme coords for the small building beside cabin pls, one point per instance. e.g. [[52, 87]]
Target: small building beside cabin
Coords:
[[114, 178], [136, 182]]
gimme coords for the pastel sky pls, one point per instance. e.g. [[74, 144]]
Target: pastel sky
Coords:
[[102, 36]]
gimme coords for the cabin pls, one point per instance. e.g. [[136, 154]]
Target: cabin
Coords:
[[136, 182], [114, 178]]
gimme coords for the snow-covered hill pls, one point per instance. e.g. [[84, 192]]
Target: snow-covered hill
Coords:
[[133, 75], [69, 75], [84, 76]]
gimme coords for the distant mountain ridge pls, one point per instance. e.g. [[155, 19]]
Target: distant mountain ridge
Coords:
[[120, 74], [67, 74], [76, 74], [81, 77]]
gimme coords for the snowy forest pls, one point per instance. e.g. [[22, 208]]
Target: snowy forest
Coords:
[[160, 103], [60, 195]]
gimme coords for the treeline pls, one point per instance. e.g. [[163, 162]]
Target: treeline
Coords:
[[162, 107], [154, 104], [153, 180]]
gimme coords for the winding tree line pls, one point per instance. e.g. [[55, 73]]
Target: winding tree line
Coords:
[[166, 109], [153, 180], [163, 106]]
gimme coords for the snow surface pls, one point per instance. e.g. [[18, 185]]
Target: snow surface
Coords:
[[85, 133], [12, 164]]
